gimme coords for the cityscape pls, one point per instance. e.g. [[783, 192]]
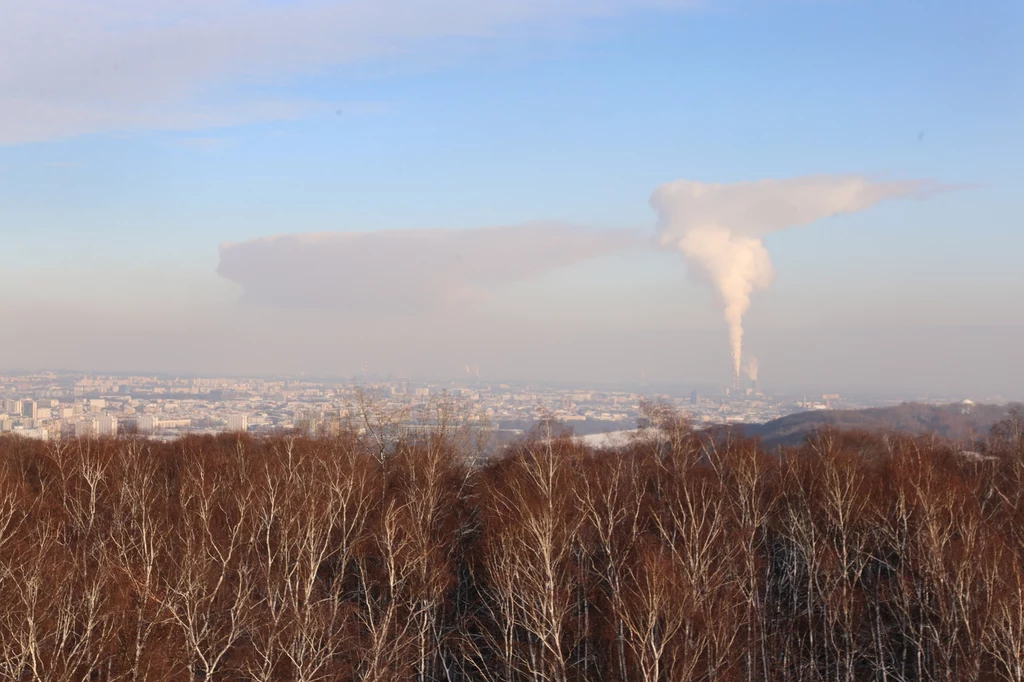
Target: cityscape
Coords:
[[52, 405], [511, 341]]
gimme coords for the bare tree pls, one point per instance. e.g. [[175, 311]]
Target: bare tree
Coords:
[[209, 594], [611, 501], [658, 606], [381, 424], [1005, 640], [384, 577], [536, 504]]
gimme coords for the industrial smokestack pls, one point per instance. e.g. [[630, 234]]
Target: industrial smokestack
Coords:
[[719, 228]]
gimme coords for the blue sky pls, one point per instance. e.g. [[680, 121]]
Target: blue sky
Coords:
[[140, 137]]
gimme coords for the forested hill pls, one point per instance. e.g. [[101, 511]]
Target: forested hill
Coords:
[[957, 421]]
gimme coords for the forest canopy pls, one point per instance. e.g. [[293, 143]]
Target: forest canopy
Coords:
[[693, 556]]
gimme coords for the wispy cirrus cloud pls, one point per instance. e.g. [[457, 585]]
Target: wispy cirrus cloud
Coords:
[[203, 144], [71, 67]]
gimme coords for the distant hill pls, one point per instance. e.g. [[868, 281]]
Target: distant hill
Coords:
[[958, 421]]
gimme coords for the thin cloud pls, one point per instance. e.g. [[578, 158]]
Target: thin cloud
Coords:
[[39, 120], [406, 271], [204, 144], [364, 108], [75, 67]]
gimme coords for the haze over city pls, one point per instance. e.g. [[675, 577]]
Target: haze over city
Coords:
[[567, 192]]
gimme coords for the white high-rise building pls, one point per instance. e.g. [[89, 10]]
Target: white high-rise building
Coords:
[[96, 426], [238, 422], [147, 423], [106, 426], [35, 434]]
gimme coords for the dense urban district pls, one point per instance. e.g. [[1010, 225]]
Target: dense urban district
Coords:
[[48, 405]]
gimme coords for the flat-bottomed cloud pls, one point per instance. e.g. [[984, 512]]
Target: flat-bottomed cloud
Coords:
[[399, 271]]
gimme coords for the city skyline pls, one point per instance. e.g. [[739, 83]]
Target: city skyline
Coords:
[[60, 405]]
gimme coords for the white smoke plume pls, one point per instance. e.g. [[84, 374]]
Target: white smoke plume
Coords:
[[719, 228], [752, 369]]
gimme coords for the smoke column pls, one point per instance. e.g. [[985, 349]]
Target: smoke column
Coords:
[[720, 228], [736, 266], [752, 369]]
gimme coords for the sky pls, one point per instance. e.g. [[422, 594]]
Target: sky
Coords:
[[261, 186]]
